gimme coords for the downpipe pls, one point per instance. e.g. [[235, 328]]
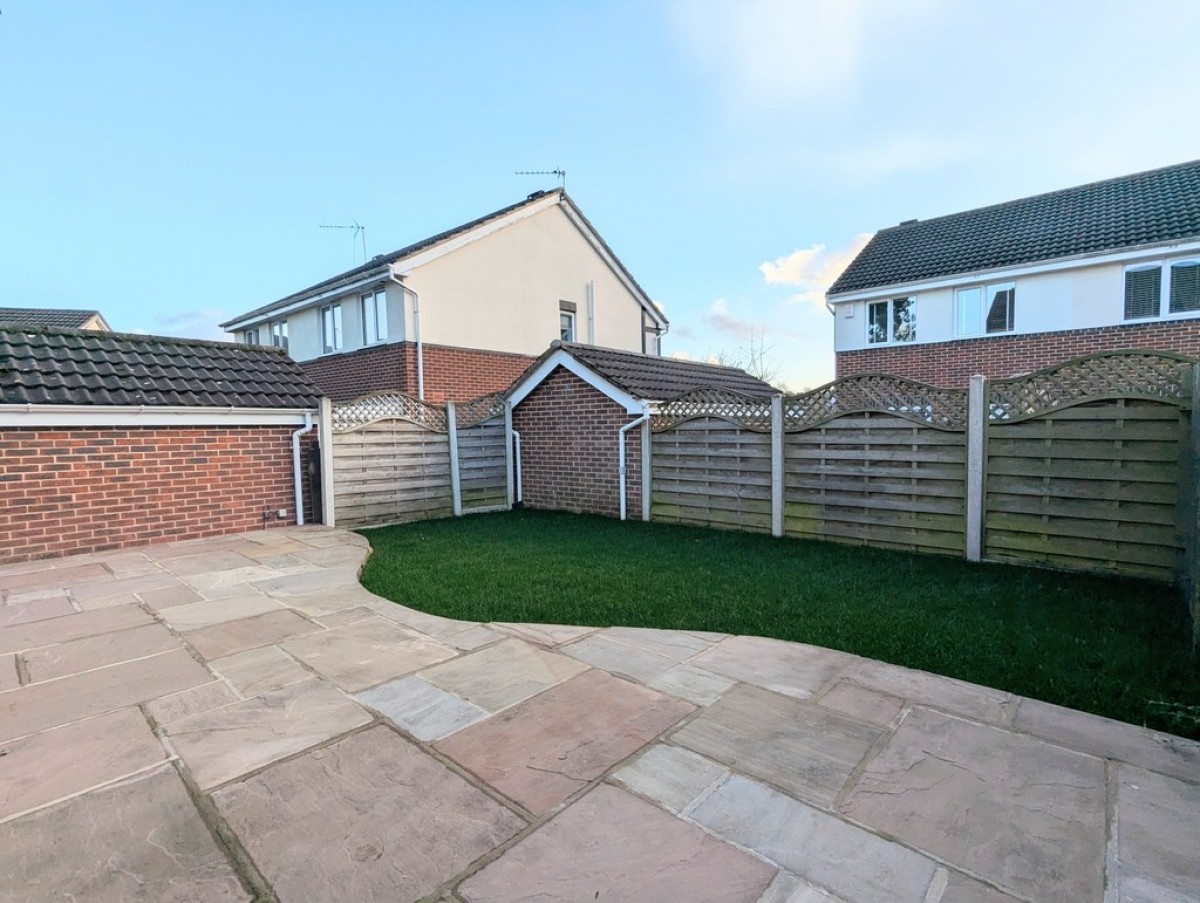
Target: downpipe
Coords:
[[621, 453], [306, 429]]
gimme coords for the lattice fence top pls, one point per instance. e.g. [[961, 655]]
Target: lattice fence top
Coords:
[[470, 413], [748, 413], [944, 409], [1147, 375], [384, 406]]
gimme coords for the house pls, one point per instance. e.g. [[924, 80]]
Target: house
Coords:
[[54, 318], [1014, 287], [110, 440], [576, 409], [462, 313]]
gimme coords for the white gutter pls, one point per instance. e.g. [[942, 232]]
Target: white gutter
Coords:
[[39, 415], [517, 456], [336, 291], [307, 428], [391, 273], [621, 453]]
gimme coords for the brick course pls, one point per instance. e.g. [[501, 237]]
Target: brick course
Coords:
[[458, 374], [569, 449], [952, 364], [64, 491]]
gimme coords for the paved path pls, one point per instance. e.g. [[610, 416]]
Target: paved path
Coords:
[[238, 719]]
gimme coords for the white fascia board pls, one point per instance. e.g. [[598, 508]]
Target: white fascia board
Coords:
[[406, 265], [602, 252], [565, 360], [29, 416], [309, 301], [1005, 274]]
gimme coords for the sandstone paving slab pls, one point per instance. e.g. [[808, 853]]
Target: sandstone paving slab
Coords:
[[1158, 831], [504, 674], [37, 707], [850, 698], [548, 634], [425, 711], [955, 696], [676, 644], [260, 670], [44, 577], [691, 683], [367, 652], [1136, 889], [105, 594], [1026, 816], [71, 627], [344, 616], [671, 776], [787, 888], [194, 615], [139, 840], [303, 584], [86, 653], [169, 596], [193, 701], [207, 562], [370, 817], [473, 637], [542, 750], [333, 556], [128, 564], [54, 764], [1110, 739], [800, 747], [789, 668], [323, 602], [614, 847], [961, 888], [432, 625], [854, 864], [228, 637], [603, 651], [215, 584], [234, 740], [9, 678], [22, 612]]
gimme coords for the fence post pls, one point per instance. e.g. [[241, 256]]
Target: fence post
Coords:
[[647, 481], [325, 440], [452, 435], [977, 417], [508, 451], [1191, 505], [776, 465]]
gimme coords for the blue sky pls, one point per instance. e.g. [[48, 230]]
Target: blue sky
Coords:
[[170, 163]]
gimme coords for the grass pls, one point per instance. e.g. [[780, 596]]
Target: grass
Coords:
[[1119, 648]]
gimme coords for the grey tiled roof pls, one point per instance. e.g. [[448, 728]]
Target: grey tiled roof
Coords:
[[40, 316], [76, 367], [661, 378], [1148, 208]]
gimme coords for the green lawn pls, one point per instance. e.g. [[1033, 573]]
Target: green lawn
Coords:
[[1119, 648]]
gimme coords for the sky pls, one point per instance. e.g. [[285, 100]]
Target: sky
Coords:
[[170, 164]]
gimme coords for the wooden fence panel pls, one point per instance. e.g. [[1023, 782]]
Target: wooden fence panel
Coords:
[[1093, 487], [876, 479], [709, 472], [390, 471], [481, 465]]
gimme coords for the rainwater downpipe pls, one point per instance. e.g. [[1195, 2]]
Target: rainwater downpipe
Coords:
[[416, 332], [307, 428], [621, 453], [517, 457]]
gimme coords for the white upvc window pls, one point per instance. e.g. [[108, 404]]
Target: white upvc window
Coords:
[[894, 320], [1184, 289], [566, 326], [985, 309], [250, 336], [1151, 293], [374, 317], [279, 336], [331, 328]]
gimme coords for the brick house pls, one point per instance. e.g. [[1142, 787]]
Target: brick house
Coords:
[[465, 312], [110, 440], [1018, 286], [579, 406]]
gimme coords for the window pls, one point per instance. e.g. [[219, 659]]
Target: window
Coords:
[[1143, 292], [374, 317], [892, 321], [566, 326], [331, 328], [1185, 286], [250, 336], [1148, 294], [985, 309], [279, 334]]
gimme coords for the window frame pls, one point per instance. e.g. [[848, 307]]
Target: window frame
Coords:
[[566, 324], [251, 336], [889, 321], [1169, 288], [987, 292], [335, 320], [278, 330], [377, 300], [1166, 278]]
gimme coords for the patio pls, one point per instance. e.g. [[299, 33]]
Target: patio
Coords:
[[238, 719]]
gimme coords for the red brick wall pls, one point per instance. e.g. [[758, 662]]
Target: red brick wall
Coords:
[[954, 363], [569, 454], [83, 490], [460, 374]]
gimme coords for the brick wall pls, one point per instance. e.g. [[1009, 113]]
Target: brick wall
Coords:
[[954, 363], [83, 490], [569, 449], [460, 374]]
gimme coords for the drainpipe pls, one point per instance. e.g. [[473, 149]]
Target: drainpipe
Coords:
[[307, 428], [621, 453], [416, 332], [519, 503]]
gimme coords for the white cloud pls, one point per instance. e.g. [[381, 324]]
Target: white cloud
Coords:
[[201, 323], [812, 269], [720, 319]]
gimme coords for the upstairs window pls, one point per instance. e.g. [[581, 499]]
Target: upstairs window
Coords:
[[566, 326], [1185, 287], [1143, 292], [250, 336], [279, 334], [331, 328], [374, 317], [892, 321], [984, 309]]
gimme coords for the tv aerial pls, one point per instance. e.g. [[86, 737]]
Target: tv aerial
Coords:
[[560, 174], [359, 232]]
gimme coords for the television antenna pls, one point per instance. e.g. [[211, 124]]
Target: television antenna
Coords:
[[560, 174], [360, 231]]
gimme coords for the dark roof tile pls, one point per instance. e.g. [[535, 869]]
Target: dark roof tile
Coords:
[[655, 378], [37, 316]]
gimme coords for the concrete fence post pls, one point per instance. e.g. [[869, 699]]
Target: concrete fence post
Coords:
[[452, 435], [977, 419], [1190, 501], [508, 452], [777, 465], [647, 481], [325, 440]]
